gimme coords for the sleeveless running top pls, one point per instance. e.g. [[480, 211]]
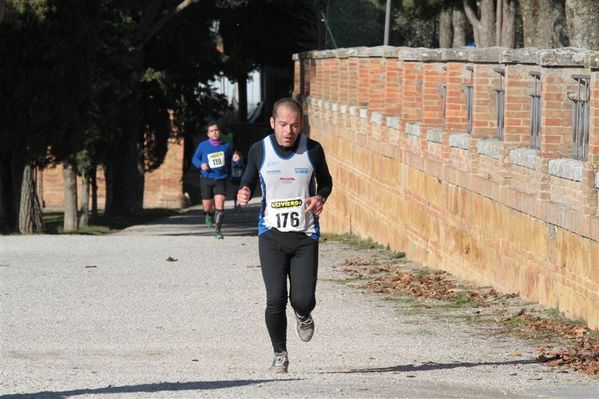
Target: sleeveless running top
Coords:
[[285, 184]]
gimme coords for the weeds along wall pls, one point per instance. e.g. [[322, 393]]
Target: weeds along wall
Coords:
[[481, 162]]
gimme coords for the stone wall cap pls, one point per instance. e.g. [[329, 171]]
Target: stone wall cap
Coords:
[[490, 55], [410, 54], [591, 60], [527, 55], [563, 57], [432, 55], [456, 54], [359, 52], [378, 51]]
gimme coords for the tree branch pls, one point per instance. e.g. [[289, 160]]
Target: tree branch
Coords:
[[152, 31], [470, 14]]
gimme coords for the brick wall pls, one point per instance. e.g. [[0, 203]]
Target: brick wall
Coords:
[[163, 188], [486, 208]]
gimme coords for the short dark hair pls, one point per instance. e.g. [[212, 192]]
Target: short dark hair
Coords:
[[288, 102], [212, 123]]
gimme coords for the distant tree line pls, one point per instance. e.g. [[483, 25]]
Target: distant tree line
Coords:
[[487, 23]]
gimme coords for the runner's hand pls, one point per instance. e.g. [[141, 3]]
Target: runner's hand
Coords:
[[315, 204], [243, 196], [205, 166]]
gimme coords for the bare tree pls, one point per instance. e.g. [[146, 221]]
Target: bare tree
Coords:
[[496, 24], [582, 18]]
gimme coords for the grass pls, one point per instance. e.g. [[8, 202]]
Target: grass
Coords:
[[103, 224], [363, 244]]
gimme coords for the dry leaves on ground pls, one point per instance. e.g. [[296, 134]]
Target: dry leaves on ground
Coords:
[[390, 278]]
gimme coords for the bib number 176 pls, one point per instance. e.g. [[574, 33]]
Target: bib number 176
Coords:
[[291, 218]]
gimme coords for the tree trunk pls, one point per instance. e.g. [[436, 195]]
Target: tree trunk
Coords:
[[242, 87], [124, 181], [458, 20], [507, 36], [484, 27], [543, 23], [582, 17], [84, 211], [30, 217], [445, 28], [70, 197], [94, 189]]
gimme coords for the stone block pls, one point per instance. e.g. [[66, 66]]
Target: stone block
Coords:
[[393, 122], [526, 157], [459, 140], [434, 135], [413, 129], [570, 169], [489, 147]]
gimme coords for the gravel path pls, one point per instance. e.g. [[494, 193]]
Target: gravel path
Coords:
[[109, 316]]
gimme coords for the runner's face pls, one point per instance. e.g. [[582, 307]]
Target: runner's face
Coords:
[[214, 132], [287, 125]]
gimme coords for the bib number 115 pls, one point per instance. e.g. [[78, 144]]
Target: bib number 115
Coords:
[[291, 218]]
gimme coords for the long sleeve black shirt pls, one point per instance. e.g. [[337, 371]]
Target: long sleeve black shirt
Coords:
[[324, 181]]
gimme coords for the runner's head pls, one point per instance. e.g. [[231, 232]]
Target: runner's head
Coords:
[[213, 131], [286, 121]]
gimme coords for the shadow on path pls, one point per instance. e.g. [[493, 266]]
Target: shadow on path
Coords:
[[237, 222], [158, 387], [432, 366]]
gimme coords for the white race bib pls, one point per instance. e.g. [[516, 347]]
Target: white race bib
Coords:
[[216, 160], [287, 215]]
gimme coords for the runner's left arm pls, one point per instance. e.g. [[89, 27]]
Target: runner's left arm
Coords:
[[321, 170]]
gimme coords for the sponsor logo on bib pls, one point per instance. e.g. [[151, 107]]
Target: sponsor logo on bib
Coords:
[[286, 204], [301, 171], [286, 180]]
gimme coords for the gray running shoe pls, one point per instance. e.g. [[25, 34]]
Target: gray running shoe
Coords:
[[280, 363], [305, 327], [218, 235]]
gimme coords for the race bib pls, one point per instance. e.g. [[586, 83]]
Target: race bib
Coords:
[[216, 160], [287, 215]]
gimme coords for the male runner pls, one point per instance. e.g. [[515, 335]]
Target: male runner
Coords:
[[295, 182], [213, 157]]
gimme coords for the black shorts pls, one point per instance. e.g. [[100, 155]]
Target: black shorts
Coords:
[[212, 187]]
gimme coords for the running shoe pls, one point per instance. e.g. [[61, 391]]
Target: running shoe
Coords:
[[208, 220], [218, 235], [305, 327], [280, 363]]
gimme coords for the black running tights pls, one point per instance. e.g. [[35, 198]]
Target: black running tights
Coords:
[[287, 255]]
